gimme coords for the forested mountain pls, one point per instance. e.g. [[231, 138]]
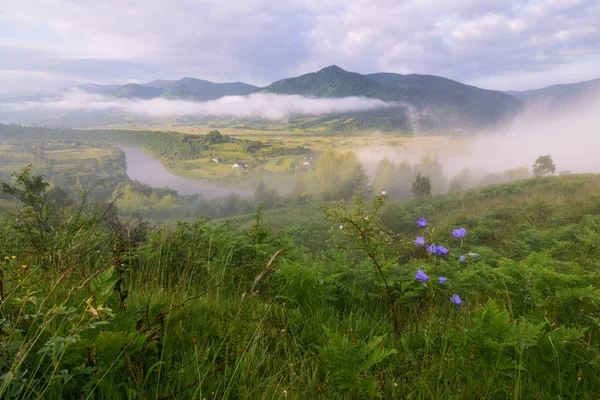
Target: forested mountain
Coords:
[[185, 89], [557, 96], [428, 102], [415, 103], [331, 82]]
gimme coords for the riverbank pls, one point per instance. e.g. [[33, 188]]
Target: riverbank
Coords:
[[148, 170]]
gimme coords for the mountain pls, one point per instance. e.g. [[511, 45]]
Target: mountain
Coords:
[[138, 91], [430, 102], [184, 89], [450, 102], [200, 90], [98, 89], [556, 96], [415, 103], [330, 82]]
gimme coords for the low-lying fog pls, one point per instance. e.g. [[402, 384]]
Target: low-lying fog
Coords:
[[260, 105], [569, 133], [571, 136]]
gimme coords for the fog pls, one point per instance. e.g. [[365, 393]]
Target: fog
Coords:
[[571, 135], [260, 105]]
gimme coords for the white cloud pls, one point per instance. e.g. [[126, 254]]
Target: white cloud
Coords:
[[261, 105], [261, 40]]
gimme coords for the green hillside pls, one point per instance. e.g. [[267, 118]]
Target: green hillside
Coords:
[[185, 89], [308, 302], [330, 82], [421, 102], [562, 94]]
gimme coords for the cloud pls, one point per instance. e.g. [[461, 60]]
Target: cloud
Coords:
[[569, 135], [260, 105], [259, 41]]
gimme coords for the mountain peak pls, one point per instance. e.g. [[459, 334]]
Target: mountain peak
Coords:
[[332, 68]]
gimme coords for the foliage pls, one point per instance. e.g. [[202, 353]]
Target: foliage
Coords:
[[119, 308], [544, 165], [421, 186]]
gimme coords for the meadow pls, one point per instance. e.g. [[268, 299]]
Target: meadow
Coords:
[[367, 298]]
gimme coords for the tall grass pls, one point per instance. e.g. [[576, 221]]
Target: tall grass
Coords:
[[105, 312]]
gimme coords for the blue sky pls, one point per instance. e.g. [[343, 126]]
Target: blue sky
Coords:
[[504, 45]]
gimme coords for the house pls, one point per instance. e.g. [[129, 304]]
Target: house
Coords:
[[235, 165], [217, 160], [306, 164]]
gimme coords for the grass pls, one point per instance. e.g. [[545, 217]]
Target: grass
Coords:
[[218, 310]]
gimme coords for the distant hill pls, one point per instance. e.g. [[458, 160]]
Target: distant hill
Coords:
[[558, 96], [416, 103], [99, 89], [430, 102], [184, 89], [135, 90], [330, 82]]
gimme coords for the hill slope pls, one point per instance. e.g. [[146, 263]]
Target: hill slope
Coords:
[[563, 94], [331, 81], [429, 103], [184, 89]]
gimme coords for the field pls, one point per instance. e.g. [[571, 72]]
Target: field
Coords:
[[286, 167], [305, 304]]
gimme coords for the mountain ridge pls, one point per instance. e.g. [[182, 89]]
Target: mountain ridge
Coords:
[[417, 102]]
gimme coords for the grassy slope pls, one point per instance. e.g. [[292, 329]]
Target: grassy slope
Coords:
[[319, 327]]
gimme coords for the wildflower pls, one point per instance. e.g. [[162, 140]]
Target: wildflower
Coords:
[[431, 248], [421, 222], [422, 276], [462, 258], [6, 257], [442, 279], [473, 254], [13, 257], [285, 393], [459, 233], [456, 300], [442, 251], [24, 266], [341, 226], [420, 241], [383, 192], [366, 218]]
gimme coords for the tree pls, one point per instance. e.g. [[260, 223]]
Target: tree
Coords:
[[214, 137], [261, 192], [339, 176], [544, 165], [516, 173], [432, 168], [265, 196], [421, 186], [462, 181]]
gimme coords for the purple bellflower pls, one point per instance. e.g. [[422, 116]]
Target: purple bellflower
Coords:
[[431, 248], [442, 279], [422, 276], [441, 251], [459, 233], [421, 222], [456, 300], [420, 241]]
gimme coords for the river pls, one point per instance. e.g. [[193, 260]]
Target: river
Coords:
[[148, 170]]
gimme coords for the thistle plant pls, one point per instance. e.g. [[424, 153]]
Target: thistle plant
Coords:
[[361, 225]]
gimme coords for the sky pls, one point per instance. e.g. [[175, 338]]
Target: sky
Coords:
[[504, 45]]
